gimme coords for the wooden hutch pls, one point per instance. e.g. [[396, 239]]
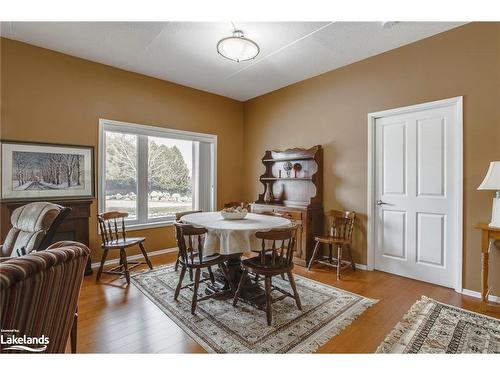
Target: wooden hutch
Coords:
[[293, 186]]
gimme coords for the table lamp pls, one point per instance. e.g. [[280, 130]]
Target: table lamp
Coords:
[[492, 182]]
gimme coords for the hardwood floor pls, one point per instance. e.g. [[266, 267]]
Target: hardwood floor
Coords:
[[114, 318]]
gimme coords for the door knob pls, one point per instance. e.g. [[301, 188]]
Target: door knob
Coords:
[[380, 203]]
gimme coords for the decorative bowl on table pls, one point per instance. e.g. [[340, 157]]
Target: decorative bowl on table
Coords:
[[234, 213]]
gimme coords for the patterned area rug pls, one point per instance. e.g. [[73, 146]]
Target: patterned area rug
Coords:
[[221, 328], [433, 327]]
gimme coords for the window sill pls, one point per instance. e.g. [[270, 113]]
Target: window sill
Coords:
[[160, 224]]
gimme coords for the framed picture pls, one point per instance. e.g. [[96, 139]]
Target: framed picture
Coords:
[[37, 171]]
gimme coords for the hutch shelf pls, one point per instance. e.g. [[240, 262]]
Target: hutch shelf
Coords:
[[293, 187]]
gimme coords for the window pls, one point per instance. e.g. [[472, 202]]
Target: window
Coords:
[[151, 173]]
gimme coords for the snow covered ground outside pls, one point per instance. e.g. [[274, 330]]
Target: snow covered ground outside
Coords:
[[155, 208]]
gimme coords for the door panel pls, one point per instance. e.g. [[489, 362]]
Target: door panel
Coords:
[[393, 159], [431, 234], [414, 174], [430, 158], [393, 242]]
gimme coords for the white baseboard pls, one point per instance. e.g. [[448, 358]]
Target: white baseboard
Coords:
[[362, 267], [135, 257], [467, 292], [473, 293]]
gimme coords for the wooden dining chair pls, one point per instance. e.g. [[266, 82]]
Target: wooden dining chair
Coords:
[[178, 219], [191, 258], [113, 234], [273, 261], [285, 215], [340, 225]]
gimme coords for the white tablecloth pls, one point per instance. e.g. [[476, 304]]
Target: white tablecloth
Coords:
[[233, 236]]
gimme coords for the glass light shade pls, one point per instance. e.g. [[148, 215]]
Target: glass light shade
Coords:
[[237, 47], [492, 179]]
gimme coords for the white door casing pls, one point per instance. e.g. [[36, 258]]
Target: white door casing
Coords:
[[415, 173]]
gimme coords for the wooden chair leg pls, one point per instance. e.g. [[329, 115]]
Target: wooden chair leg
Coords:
[[211, 275], [195, 290], [313, 257], [179, 284], [125, 265], [145, 254], [240, 286], [73, 334], [269, 313], [339, 260], [294, 288], [177, 262], [353, 265], [103, 260], [330, 251]]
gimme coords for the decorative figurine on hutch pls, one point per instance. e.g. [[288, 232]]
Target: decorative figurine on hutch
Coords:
[[297, 168], [287, 166]]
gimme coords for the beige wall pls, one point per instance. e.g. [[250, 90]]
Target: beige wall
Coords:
[[52, 97], [331, 110]]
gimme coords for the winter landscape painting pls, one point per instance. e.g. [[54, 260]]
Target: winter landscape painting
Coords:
[[39, 170], [44, 171]]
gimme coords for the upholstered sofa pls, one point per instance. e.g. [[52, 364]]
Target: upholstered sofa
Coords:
[[39, 295]]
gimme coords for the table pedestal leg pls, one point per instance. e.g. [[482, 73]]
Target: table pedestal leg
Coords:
[[485, 248], [252, 292]]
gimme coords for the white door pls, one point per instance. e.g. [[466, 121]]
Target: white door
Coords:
[[416, 194]]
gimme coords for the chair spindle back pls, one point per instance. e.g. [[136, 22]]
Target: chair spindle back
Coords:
[[112, 226], [282, 243], [190, 240], [178, 218], [340, 224]]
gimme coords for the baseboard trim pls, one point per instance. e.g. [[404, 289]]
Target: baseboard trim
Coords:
[[135, 257], [362, 267], [473, 293]]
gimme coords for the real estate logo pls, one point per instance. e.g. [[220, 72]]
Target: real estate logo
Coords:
[[11, 340]]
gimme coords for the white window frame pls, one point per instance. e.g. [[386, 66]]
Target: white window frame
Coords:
[[142, 221]]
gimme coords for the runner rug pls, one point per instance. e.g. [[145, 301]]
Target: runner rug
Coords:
[[434, 327]]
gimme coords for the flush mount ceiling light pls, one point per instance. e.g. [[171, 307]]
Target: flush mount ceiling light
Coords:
[[237, 47]]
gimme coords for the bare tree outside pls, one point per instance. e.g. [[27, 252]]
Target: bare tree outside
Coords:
[[169, 177]]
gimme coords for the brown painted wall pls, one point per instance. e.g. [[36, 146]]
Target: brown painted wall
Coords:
[[52, 97], [331, 110]]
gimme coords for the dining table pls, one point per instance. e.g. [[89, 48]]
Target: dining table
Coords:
[[231, 239]]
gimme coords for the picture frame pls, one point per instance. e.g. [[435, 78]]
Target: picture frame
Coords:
[[34, 171]]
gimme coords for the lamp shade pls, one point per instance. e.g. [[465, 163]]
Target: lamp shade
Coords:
[[492, 179]]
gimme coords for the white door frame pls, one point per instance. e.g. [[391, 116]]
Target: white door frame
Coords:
[[457, 102]]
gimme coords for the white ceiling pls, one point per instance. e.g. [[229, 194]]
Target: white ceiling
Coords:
[[185, 52]]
